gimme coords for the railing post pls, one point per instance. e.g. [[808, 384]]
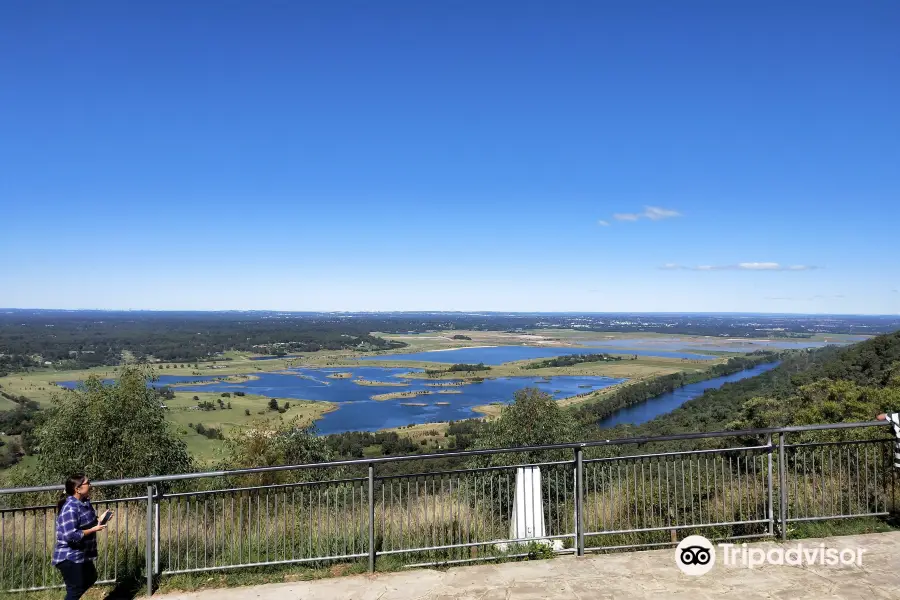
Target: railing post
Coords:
[[770, 512], [579, 502], [371, 518], [782, 487], [156, 533], [148, 562]]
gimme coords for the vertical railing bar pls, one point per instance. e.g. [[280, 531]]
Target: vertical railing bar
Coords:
[[654, 506], [492, 509], [691, 479], [24, 535], [631, 474], [684, 506], [148, 547], [802, 495], [796, 453], [598, 504], [619, 487], [859, 509], [826, 478], [669, 518], [156, 531], [371, 517], [866, 471], [240, 499], [318, 548], [205, 531], [812, 483], [840, 485], [579, 497], [782, 486], [470, 510], [44, 562], [715, 492], [385, 543], [756, 489], [127, 550], [294, 522], [643, 521], [660, 460], [275, 521], [728, 488], [434, 533], [3, 546], [559, 512], [34, 542], [258, 544], [169, 535], [705, 484]]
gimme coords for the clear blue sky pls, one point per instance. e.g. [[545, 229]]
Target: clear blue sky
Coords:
[[458, 155]]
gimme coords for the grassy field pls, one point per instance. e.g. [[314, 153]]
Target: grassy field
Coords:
[[184, 415], [7, 404]]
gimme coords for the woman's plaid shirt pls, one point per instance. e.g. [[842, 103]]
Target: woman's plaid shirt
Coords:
[[71, 543]]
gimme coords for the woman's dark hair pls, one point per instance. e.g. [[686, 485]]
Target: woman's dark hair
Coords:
[[72, 483]]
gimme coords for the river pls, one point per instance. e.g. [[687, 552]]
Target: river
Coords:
[[666, 403]]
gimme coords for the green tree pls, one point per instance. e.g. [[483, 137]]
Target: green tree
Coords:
[[533, 419], [109, 431], [269, 444], [823, 401]]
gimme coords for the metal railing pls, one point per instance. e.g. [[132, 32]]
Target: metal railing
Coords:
[[609, 495]]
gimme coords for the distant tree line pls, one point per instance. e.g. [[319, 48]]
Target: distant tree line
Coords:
[[352, 444], [85, 339], [572, 359], [463, 367]]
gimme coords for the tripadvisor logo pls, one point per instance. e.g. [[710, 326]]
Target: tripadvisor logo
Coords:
[[695, 555]]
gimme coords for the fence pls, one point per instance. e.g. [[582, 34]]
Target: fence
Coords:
[[609, 495]]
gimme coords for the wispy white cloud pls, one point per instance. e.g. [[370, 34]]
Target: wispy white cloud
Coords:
[[759, 266], [745, 266], [603, 223], [654, 213], [806, 299]]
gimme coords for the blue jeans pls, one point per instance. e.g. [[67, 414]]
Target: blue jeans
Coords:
[[79, 577]]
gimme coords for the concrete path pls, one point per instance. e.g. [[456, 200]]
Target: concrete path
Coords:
[[631, 575]]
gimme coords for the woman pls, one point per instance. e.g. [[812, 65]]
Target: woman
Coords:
[[76, 537]]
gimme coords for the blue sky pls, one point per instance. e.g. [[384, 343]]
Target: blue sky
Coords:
[[595, 156]]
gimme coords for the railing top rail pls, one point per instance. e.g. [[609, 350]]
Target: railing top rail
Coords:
[[464, 453]]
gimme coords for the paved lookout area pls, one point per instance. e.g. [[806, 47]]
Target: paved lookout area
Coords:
[[649, 574]]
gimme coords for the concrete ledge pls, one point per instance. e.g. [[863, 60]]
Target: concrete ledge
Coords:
[[632, 575]]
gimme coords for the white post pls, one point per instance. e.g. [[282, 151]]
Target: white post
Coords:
[[527, 519], [528, 511]]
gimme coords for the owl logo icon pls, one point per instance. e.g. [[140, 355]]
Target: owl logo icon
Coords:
[[695, 555]]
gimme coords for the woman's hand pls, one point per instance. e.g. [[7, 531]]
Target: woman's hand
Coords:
[[94, 529]]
